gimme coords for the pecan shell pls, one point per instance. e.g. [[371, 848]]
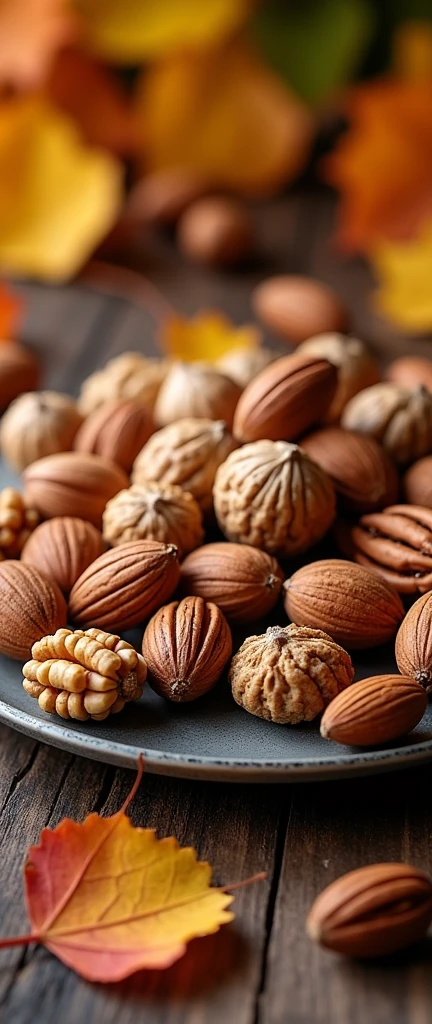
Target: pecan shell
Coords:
[[397, 543]]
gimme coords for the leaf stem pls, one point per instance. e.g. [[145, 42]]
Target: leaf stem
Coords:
[[19, 940], [135, 787], [130, 285], [260, 877]]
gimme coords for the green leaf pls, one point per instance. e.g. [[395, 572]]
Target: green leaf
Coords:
[[316, 45]]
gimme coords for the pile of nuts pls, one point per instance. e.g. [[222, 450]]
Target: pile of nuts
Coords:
[[124, 491]]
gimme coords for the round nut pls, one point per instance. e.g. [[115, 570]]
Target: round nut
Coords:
[[363, 474], [400, 418], [62, 548], [285, 399], [116, 430], [128, 377], [196, 390], [19, 371], [32, 606], [215, 231], [357, 369], [73, 483], [162, 196], [243, 581], [162, 512], [38, 423], [298, 307], [417, 483], [186, 646], [374, 711]]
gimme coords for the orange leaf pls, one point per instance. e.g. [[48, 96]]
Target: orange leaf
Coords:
[[31, 32], [10, 313], [226, 115], [92, 95], [208, 335]]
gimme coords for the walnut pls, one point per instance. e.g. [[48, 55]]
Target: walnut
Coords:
[[357, 368], [271, 495], [152, 511], [196, 389], [128, 376], [84, 674], [17, 522], [186, 453], [38, 423], [289, 674], [400, 418]]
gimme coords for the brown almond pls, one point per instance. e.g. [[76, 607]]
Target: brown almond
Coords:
[[73, 484], [297, 307], [31, 607], [414, 642], [186, 646], [116, 430], [61, 548], [374, 711], [364, 476], [373, 911], [243, 581], [285, 399]]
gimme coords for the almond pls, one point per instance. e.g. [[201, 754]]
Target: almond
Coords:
[[19, 371], [73, 484], [116, 430], [298, 307], [31, 607], [186, 646], [364, 476], [374, 711], [62, 548], [243, 581], [285, 399]]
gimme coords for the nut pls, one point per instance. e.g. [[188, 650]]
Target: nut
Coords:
[[162, 196], [374, 711], [116, 430], [242, 364], [62, 548], [364, 476], [36, 424], [401, 419], [271, 495], [356, 367], [196, 390], [244, 582], [285, 399], [397, 543], [410, 372], [355, 606], [124, 586], [215, 231], [73, 484], [17, 521], [373, 911], [162, 512], [298, 307], [417, 483], [414, 643], [186, 646], [84, 675], [186, 453], [19, 371], [31, 607], [130, 376], [289, 674]]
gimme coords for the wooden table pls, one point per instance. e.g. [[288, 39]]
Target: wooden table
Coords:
[[261, 969]]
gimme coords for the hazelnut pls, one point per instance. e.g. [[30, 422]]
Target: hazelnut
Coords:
[[19, 372], [216, 232], [162, 196], [410, 372]]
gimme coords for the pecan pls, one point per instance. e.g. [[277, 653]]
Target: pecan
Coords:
[[397, 543]]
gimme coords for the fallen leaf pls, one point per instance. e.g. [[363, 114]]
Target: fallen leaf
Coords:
[[225, 115], [58, 198], [10, 312], [208, 335], [31, 32], [404, 272], [129, 31], [93, 96], [412, 51]]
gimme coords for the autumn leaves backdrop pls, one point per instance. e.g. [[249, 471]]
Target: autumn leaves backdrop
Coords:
[[94, 93]]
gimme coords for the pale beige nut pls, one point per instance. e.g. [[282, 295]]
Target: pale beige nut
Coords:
[[19, 372], [17, 522], [83, 674], [410, 372], [162, 512], [400, 418], [285, 399], [397, 543], [357, 368], [196, 390], [61, 548], [364, 476], [73, 484], [414, 643], [298, 307], [374, 711], [186, 646], [31, 606], [38, 423], [242, 364], [289, 674], [243, 581], [117, 430], [215, 231], [271, 495], [186, 453], [130, 376]]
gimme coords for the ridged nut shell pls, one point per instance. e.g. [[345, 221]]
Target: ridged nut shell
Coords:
[[285, 399], [19, 372], [61, 548], [129, 377], [38, 423], [417, 483], [196, 390], [73, 484], [271, 495], [364, 476], [401, 419], [31, 607], [373, 911], [125, 585], [397, 543], [356, 367], [116, 430], [186, 646], [289, 674], [374, 711], [186, 453], [243, 581], [414, 643], [162, 512], [354, 605]]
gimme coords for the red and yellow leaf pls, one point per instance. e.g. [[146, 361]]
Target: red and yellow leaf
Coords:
[[10, 312]]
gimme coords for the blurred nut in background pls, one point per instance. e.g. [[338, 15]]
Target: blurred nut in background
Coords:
[[297, 308], [129, 376], [363, 474], [38, 423], [196, 390], [374, 711], [417, 483], [61, 548], [116, 430], [153, 511], [400, 418], [19, 371], [410, 372], [216, 232], [285, 399], [357, 369], [162, 196]]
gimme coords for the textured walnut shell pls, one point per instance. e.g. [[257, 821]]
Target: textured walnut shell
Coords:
[[363, 474], [410, 372], [374, 711], [130, 376], [162, 196], [116, 430], [414, 642], [162, 512], [354, 605], [271, 495], [19, 371], [38, 423], [285, 399], [401, 419], [61, 548], [289, 674], [31, 606], [73, 484], [397, 543], [417, 483], [373, 911], [215, 231], [186, 646], [243, 364], [124, 586], [17, 521], [196, 390], [243, 581], [186, 453], [298, 307], [356, 367]]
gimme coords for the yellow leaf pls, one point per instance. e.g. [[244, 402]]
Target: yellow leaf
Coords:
[[404, 272], [412, 51], [129, 31], [208, 335], [226, 115], [58, 197]]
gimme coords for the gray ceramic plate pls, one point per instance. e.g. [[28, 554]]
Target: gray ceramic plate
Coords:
[[211, 738]]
